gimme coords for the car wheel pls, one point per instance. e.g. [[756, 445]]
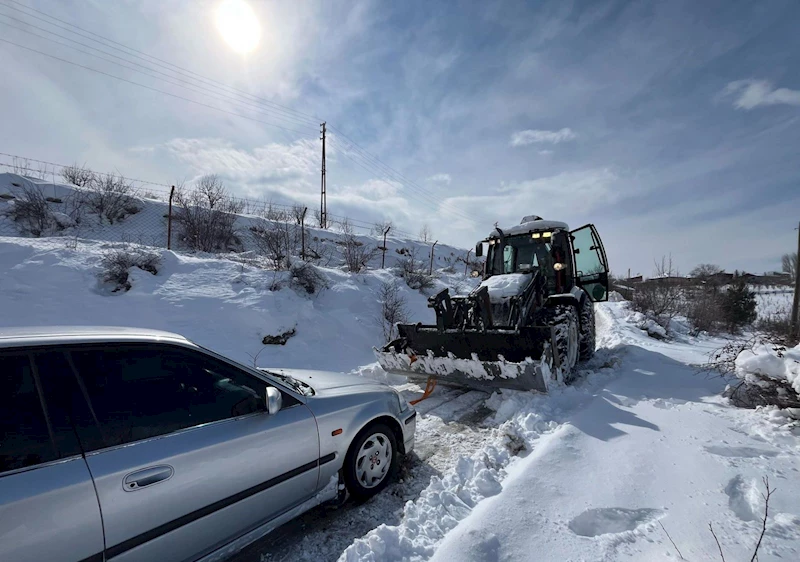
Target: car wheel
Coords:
[[371, 461]]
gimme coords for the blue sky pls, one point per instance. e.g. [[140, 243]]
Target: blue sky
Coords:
[[673, 126]]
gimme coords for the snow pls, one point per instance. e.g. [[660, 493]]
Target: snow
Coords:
[[532, 226], [588, 472], [504, 286], [769, 361]]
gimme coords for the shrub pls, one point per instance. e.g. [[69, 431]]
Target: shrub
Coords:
[[394, 309], [277, 241], [206, 216], [308, 277], [31, 210], [116, 265], [356, 254], [112, 197], [660, 297], [412, 270]]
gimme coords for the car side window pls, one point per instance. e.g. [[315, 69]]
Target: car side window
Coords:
[[26, 438], [140, 391]]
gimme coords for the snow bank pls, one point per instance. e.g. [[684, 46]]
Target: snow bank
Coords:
[[521, 418], [766, 361]]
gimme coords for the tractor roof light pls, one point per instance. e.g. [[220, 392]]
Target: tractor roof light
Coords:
[[547, 234], [535, 235]]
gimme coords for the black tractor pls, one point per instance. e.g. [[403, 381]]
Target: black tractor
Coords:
[[529, 322]]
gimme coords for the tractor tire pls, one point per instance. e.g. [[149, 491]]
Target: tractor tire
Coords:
[[564, 318], [587, 336]]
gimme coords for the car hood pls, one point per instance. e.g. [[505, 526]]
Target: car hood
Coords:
[[322, 381]]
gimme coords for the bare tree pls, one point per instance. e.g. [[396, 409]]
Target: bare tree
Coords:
[[789, 264], [112, 197], [706, 272], [211, 191], [381, 226], [207, 217], [394, 309], [425, 233], [414, 272], [660, 297], [31, 211], [355, 253], [78, 175], [277, 240]]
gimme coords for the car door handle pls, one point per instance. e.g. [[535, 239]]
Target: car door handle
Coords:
[[147, 477]]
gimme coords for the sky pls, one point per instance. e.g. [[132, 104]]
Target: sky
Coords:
[[674, 127]]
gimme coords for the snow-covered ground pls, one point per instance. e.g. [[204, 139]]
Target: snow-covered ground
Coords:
[[590, 472]]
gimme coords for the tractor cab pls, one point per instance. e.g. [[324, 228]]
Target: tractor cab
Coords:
[[562, 257]]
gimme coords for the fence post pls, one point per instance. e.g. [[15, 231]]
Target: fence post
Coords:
[[303, 234], [466, 262], [383, 257], [430, 270], [169, 219]]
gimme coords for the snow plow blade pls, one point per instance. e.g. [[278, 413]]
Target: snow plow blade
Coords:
[[482, 360]]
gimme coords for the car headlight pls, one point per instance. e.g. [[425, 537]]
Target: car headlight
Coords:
[[402, 403]]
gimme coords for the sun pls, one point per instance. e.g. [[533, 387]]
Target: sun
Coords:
[[237, 23]]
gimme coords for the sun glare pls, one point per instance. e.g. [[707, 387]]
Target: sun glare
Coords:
[[238, 25]]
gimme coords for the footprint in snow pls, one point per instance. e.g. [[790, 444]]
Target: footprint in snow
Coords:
[[604, 520], [740, 452], [744, 498]]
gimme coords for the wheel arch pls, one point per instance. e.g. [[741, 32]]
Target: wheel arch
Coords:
[[391, 423]]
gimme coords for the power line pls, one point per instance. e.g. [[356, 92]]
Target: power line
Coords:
[[181, 83], [373, 164], [151, 88], [136, 53]]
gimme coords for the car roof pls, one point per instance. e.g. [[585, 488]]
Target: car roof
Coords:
[[52, 335]]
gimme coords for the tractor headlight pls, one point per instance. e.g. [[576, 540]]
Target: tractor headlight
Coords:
[[402, 402], [546, 234], [558, 266], [536, 235]]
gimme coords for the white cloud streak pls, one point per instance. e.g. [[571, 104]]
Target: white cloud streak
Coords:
[[442, 179], [755, 93], [532, 136]]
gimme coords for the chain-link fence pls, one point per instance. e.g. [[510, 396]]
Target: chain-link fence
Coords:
[[63, 204]]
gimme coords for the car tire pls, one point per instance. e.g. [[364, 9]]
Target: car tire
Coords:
[[371, 461]]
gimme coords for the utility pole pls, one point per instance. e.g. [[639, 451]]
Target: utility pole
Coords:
[[796, 303], [303, 234], [323, 201], [430, 271], [383, 257], [169, 218], [466, 262]]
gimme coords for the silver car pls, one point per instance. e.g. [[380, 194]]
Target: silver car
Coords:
[[136, 445]]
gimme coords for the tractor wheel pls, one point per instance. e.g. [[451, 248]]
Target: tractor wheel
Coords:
[[587, 330], [564, 318]]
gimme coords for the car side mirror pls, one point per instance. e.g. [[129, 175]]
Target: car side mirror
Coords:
[[274, 400], [478, 249]]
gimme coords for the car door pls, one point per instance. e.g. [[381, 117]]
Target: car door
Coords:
[[48, 506], [591, 265], [184, 455]]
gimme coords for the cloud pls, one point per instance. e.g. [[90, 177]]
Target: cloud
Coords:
[[443, 179], [552, 197], [545, 152], [754, 93], [531, 136]]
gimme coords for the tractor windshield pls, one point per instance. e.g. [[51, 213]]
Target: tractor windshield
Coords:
[[520, 255]]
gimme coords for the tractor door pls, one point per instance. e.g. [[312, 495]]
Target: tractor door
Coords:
[[591, 264]]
